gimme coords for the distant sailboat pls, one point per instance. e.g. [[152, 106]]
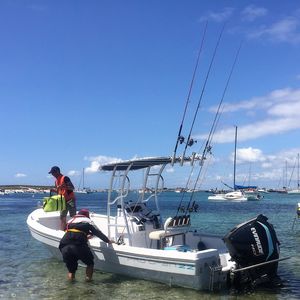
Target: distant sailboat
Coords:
[[236, 194], [297, 190], [82, 190]]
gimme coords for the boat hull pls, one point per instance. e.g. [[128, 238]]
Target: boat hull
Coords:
[[200, 270], [231, 196]]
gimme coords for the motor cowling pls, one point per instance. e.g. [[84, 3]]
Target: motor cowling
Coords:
[[251, 243]]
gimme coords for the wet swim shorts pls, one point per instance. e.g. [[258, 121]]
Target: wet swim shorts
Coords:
[[72, 253], [70, 207]]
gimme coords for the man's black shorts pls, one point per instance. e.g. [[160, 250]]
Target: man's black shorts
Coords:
[[72, 253]]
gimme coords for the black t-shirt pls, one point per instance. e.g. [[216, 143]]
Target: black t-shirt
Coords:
[[80, 238]]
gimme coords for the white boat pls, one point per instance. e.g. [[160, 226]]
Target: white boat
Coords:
[[234, 195], [169, 251], [255, 196], [263, 190], [294, 191], [82, 190]]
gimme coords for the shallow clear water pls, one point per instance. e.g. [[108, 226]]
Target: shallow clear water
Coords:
[[28, 271]]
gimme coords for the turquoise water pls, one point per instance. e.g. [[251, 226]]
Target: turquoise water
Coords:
[[28, 272]]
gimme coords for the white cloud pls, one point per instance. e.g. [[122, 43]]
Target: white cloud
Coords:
[[266, 165], [275, 165], [252, 12], [20, 175], [286, 95], [259, 167], [285, 30], [170, 170], [221, 16], [256, 130], [97, 161], [280, 114], [249, 155], [73, 173], [288, 109]]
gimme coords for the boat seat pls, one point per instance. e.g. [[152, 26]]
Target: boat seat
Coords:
[[172, 227], [159, 234]]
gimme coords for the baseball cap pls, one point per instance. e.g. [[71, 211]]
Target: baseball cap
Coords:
[[54, 169], [84, 212]]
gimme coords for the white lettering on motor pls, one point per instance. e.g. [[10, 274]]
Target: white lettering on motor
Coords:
[[258, 243]]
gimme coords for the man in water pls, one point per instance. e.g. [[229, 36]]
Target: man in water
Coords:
[[64, 187], [74, 244]]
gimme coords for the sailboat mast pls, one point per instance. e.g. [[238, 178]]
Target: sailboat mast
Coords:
[[298, 184], [83, 178], [234, 160]]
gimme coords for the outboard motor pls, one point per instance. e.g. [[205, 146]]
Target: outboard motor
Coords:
[[251, 243]]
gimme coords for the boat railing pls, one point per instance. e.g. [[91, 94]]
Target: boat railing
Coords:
[[120, 171], [119, 199]]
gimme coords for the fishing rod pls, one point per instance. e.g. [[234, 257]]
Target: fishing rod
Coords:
[[208, 148], [184, 192], [180, 139], [190, 141], [186, 187]]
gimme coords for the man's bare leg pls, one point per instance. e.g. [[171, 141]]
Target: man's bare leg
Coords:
[[63, 223], [89, 273], [71, 276]]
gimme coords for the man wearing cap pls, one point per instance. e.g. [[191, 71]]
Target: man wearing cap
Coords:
[[64, 187], [74, 244]]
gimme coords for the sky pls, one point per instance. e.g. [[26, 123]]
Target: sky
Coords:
[[83, 83]]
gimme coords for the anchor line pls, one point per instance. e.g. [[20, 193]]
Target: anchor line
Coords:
[[189, 93], [207, 148], [202, 91]]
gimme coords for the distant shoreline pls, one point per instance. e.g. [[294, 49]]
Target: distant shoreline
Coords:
[[26, 186]]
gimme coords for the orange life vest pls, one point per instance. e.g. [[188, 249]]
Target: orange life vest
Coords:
[[62, 191]]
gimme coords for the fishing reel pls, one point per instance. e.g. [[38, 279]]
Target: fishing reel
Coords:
[[181, 139], [189, 143], [120, 240]]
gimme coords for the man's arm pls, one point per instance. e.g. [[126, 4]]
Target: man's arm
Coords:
[[100, 234]]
